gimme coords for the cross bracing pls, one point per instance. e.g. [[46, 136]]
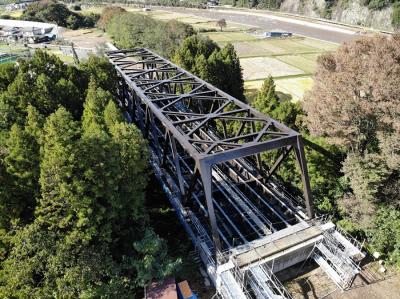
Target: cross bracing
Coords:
[[206, 148], [208, 138]]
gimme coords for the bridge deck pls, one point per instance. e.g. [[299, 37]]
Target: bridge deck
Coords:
[[262, 252]]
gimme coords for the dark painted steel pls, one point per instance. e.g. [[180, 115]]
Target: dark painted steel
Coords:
[[170, 104]]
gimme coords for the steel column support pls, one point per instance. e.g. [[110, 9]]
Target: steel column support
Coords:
[[206, 177], [301, 159], [154, 133], [139, 112], [192, 184]]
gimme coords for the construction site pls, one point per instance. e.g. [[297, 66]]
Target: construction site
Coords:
[[207, 152]]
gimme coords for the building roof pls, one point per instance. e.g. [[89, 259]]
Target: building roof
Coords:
[[162, 290]]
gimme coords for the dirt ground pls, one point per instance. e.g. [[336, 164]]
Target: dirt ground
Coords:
[[313, 283], [85, 38]]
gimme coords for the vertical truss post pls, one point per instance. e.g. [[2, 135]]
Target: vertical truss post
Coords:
[[154, 133], [165, 149], [206, 177], [301, 159], [258, 156], [191, 186], [177, 165], [139, 112], [125, 102]]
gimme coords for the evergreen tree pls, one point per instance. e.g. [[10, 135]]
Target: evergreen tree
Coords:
[[102, 72], [22, 163], [96, 101], [8, 71], [57, 169], [220, 67], [112, 115], [268, 102], [72, 216]]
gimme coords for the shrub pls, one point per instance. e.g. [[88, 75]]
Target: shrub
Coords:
[[396, 16]]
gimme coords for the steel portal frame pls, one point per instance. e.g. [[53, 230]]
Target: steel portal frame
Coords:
[[175, 109]]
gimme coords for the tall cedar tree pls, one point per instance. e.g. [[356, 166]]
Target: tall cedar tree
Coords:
[[220, 67]]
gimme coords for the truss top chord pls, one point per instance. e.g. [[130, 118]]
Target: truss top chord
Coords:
[[185, 104]]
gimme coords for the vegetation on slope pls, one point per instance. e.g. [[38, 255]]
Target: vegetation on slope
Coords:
[[130, 30], [72, 186], [53, 12], [354, 104]]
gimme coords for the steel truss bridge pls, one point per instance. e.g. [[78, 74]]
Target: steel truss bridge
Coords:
[[207, 152]]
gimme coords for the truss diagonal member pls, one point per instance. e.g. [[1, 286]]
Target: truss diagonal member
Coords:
[[279, 161], [186, 120], [262, 132]]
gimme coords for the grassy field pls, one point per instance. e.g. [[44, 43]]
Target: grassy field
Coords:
[[291, 88], [13, 14], [291, 61], [225, 37], [262, 67], [199, 23], [306, 65]]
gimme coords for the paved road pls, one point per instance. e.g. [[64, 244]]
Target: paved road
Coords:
[[267, 22]]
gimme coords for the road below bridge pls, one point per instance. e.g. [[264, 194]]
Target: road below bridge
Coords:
[[268, 21]]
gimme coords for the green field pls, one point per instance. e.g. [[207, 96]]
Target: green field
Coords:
[[294, 87], [299, 61], [261, 67], [291, 61], [13, 14], [225, 37], [254, 48]]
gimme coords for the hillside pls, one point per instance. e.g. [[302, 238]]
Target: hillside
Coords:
[[377, 14]]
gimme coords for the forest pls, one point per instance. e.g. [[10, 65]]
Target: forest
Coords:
[[73, 176]]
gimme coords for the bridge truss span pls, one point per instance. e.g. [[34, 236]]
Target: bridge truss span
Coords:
[[206, 151], [182, 113]]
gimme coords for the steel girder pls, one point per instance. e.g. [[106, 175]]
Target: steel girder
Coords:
[[173, 107]]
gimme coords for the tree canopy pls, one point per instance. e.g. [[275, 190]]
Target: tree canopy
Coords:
[[73, 176], [53, 12], [220, 67], [130, 30], [354, 105]]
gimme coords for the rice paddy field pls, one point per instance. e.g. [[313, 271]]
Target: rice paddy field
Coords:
[[292, 61]]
